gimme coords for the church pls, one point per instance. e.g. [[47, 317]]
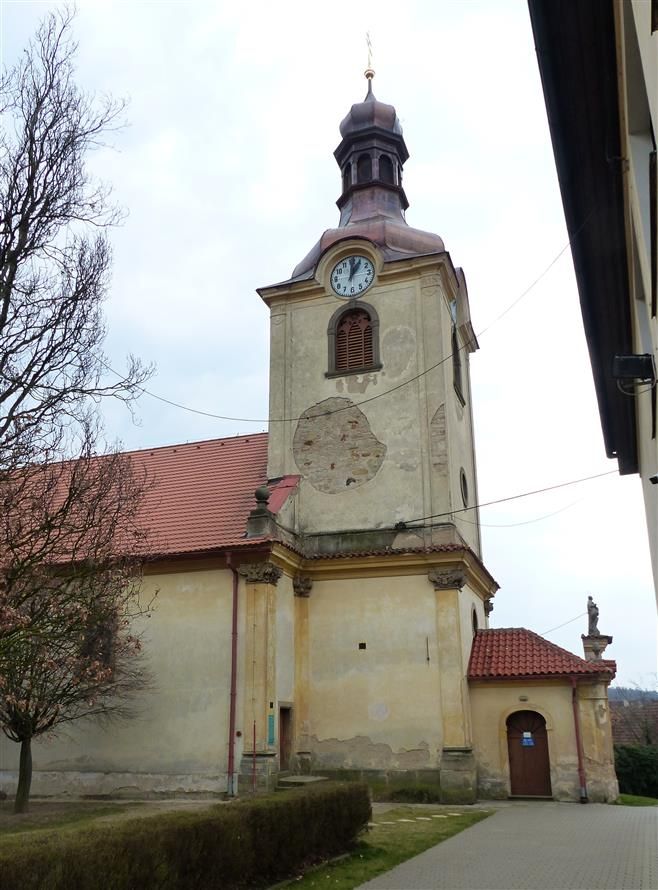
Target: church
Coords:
[[323, 606]]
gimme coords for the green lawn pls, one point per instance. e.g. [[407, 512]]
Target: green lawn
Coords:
[[633, 800], [396, 835]]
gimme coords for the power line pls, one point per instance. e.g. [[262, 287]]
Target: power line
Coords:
[[564, 624], [524, 522], [380, 395], [513, 497]]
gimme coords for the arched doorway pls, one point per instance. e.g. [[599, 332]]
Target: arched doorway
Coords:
[[527, 746]]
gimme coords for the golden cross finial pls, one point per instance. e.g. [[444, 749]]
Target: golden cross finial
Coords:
[[370, 71]]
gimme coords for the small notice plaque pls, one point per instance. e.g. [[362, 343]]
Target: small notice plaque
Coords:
[[527, 741]]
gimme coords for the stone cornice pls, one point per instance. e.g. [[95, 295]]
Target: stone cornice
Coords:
[[383, 565]]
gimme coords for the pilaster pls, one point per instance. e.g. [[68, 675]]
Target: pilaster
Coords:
[[302, 586], [259, 752], [458, 769]]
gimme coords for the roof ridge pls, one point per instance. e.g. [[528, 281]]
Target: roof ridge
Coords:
[[196, 442]]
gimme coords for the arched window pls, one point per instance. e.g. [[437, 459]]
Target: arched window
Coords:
[[457, 365], [353, 336], [386, 169], [354, 341], [364, 169], [347, 177]]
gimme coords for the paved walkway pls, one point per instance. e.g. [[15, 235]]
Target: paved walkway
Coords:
[[540, 846]]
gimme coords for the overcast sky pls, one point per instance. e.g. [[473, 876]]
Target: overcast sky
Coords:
[[227, 171]]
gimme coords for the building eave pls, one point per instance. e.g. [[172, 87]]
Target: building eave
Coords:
[[576, 52]]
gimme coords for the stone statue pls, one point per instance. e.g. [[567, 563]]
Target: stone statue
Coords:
[[592, 617]]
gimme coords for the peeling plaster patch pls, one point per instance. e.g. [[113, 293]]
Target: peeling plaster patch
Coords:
[[438, 443], [359, 382], [361, 752], [398, 350], [336, 451]]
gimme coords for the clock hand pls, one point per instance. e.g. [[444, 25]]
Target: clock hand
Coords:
[[352, 269], [356, 266]]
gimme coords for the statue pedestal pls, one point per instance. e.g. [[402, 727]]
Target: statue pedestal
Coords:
[[595, 645]]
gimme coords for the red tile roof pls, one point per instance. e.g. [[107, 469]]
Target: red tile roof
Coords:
[[514, 652], [634, 722], [202, 492]]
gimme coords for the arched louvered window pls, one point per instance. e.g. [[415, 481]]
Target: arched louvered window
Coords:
[[385, 169], [354, 341], [364, 169]]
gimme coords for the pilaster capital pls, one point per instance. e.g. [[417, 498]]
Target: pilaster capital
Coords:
[[488, 606], [302, 585], [447, 579], [260, 572]]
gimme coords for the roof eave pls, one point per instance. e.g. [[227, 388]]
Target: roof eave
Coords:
[[575, 43]]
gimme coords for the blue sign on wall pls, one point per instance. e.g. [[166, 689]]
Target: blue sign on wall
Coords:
[[270, 729]]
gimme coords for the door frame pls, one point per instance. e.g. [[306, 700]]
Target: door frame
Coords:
[[545, 765]]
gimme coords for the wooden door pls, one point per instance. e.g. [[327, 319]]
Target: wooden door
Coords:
[[529, 764], [285, 737]]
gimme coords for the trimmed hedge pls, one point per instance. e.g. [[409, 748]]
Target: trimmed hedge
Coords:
[[241, 844], [637, 769]]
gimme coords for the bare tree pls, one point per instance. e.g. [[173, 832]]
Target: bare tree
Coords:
[[70, 541], [54, 253], [72, 546]]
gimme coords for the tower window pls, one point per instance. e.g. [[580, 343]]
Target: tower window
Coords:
[[386, 169], [347, 177], [364, 169], [354, 341], [457, 365], [353, 336]]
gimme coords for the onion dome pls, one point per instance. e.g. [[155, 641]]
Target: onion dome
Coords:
[[372, 204], [370, 113]]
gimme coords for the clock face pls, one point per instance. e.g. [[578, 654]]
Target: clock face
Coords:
[[352, 276]]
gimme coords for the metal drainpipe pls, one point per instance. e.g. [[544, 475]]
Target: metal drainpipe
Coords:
[[579, 745], [232, 791]]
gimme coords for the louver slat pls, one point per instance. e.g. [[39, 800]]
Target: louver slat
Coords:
[[354, 346]]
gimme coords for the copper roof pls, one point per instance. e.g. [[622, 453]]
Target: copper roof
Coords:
[[370, 113], [515, 652], [201, 493]]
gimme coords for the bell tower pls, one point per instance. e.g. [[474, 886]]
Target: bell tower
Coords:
[[371, 337], [370, 406]]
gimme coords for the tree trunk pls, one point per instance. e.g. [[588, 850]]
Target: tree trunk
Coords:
[[24, 777]]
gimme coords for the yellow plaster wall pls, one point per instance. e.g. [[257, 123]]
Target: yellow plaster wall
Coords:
[[414, 331], [491, 705], [380, 707], [178, 739], [285, 647]]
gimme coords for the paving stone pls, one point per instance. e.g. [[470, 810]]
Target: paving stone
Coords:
[[540, 846]]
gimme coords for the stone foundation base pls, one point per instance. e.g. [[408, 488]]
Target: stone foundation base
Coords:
[[116, 785], [458, 775], [261, 772]]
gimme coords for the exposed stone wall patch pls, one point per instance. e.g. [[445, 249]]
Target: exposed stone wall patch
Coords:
[[334, 447]]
